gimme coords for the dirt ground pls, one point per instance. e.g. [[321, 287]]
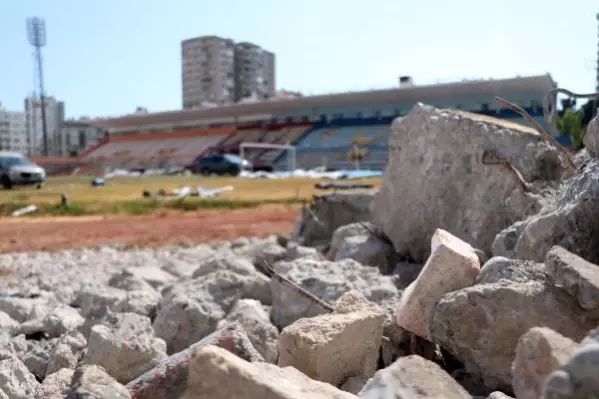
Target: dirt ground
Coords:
[[48, 234]]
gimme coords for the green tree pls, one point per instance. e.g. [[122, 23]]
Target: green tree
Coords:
[[570, 124]]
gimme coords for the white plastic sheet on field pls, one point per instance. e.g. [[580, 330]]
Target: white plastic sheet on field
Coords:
[[312, 174]]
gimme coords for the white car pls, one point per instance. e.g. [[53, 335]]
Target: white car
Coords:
[[17, 170]]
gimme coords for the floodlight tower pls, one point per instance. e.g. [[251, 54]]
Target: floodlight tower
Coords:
[[36, 35]]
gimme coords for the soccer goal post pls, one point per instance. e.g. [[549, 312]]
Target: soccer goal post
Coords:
[[291, 155]]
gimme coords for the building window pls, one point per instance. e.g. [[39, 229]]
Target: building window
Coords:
[[485, 107], [289, 119], [377, 114], [82, 139], [305, 118]]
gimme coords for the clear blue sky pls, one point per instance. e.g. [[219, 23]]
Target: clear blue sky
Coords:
[[107, 57]]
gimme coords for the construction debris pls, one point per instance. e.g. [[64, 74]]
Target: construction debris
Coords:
[[388, 294]]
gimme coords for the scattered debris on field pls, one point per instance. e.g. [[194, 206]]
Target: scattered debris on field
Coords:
[[25, 210]]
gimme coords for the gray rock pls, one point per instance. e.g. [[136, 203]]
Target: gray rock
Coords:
[[356, 241], [250, 314], [16, 381], [53, 324], [474, 325], [334, 347], [90, 299], [56, 385], [92, 382], [539, 352], [214, 372], [235, 264], [413, 377], [435, 178], [579, 378], [144, 303], [13, 347], [8, 326], [499, 268], [296, 251], [191, 310], [125, 346], [328, 281], [153, 275], [568, 220], [127, 281], [263, 252], [37, 357], [67, 352], [574, 274], [25, 309], [328, 212], [591, 138]]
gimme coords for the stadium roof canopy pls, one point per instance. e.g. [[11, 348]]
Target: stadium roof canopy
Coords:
[[270, 108]]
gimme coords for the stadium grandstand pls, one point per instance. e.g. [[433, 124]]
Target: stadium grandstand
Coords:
[[324, 130]]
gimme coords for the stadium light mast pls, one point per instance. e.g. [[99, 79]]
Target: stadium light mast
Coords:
[[36, 35]]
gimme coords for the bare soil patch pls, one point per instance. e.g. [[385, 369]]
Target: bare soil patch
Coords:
[[49, 234]]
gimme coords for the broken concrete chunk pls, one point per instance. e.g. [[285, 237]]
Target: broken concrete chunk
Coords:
[[452, 265], [56, 385], [15, 379], [125, 346], [158, 382], [92, 381], [578, 378], [326, 280], [190, 310], [574, 274], [413, 377], [567, 220], [215, 372], [474, 326], [591, 138], [539, 352], [333, 347], [67, 352], [250, 315], [436, 178]]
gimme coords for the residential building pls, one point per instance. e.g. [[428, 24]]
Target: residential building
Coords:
[[77, 136], [254, 72], [55, 112], [13, 131], [208, 71]]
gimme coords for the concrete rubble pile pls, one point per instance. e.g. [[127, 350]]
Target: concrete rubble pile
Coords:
[[453, 280]]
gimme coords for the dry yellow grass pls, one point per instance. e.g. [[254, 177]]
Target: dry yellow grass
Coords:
[[120, 189]]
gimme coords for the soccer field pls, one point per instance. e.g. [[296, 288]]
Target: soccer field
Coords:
[[123, 195]]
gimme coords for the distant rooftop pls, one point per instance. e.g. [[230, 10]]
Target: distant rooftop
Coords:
[[407, 94]]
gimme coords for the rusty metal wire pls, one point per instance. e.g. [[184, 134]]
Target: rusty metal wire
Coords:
[[491, 157], [568, 158]]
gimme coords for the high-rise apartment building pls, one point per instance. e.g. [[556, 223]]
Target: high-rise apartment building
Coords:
[[215, 70], [13, 131], [254, 72], [208, 71], [54, 120]]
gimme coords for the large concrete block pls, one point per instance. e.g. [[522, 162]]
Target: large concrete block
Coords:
[[452, 265]]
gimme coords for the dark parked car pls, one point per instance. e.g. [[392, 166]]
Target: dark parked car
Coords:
[[219, 164], [16, 170]]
